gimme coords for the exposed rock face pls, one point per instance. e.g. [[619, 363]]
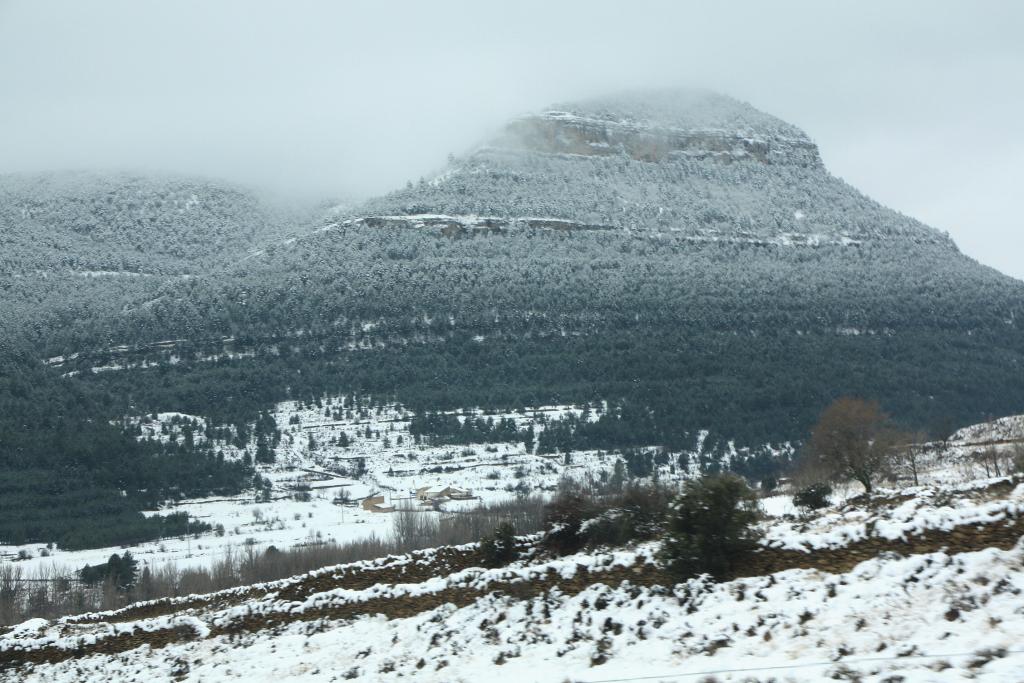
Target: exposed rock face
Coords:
[[460, 226], [559, 132], [661, 125]]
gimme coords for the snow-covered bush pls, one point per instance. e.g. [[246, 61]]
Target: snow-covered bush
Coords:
[[588, 519], [711, 526], [499, 549], [637, 514], [564, 517], [813, 497]]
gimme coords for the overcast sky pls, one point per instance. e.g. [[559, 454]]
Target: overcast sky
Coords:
[[918, 104]]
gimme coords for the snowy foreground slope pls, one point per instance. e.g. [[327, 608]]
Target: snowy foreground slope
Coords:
[[929, 618], [896, 615]]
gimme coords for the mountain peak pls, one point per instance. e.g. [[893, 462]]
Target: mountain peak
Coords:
[[683, 109], [661, 125], [695, 164]]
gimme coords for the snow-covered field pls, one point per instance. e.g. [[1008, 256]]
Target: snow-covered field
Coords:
[[282, 523], [318, 484]]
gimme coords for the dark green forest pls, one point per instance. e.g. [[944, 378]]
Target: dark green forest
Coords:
[[752, 353], [69, 476]]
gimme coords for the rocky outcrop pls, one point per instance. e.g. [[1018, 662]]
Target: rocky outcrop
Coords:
[[460, 226], [557, 132]]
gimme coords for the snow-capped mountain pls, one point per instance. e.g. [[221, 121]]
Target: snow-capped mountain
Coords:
[[690, 163]]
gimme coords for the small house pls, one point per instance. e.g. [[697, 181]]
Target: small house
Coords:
[[439, 492], [377, 503]]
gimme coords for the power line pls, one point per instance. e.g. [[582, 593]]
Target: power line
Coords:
[[807, 665]]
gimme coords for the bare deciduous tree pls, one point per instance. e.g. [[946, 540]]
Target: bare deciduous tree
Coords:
[[993, 461], [910, 449], [852, 440]]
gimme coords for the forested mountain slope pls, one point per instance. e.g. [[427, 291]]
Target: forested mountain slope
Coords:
[[680, 255], [680, 250], [92, 223], [82, 246]]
